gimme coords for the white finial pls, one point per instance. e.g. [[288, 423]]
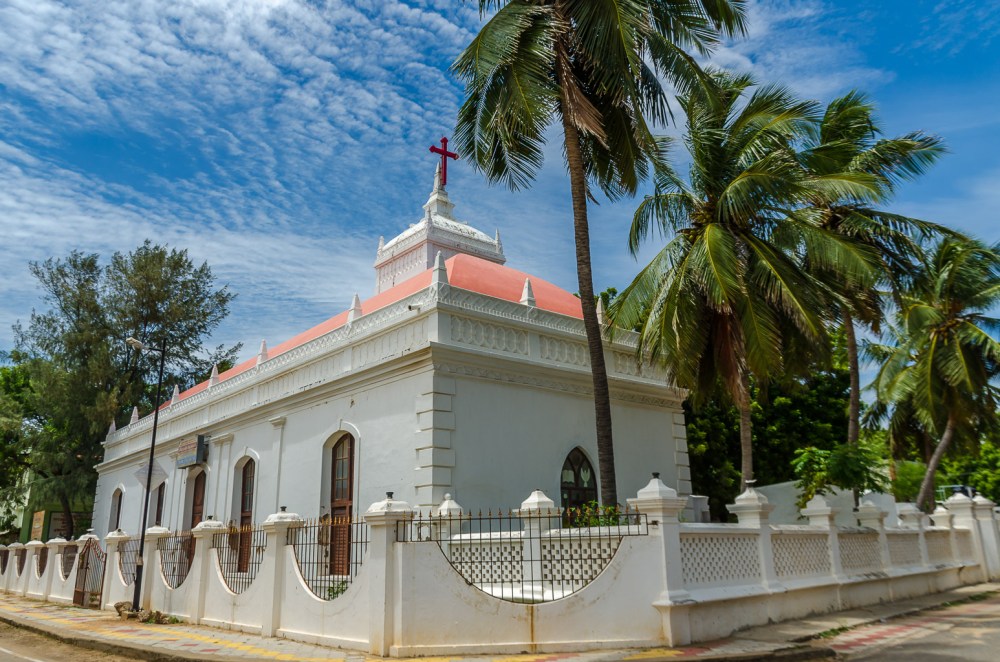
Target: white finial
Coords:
[[135, 416], [112, 427], [355, 311], [437, 178], [602, 318], [214, 379], [176, 396], [262, 352], [496, 240], [381, 242], [527, 295], [439, 276]]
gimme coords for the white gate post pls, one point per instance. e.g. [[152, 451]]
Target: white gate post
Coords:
[[382, 518], [201, 566], [662, 507], [52, 566], [276, 529], [29, 564], [112, 570]]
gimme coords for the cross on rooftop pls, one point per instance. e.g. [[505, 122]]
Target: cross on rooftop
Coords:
[[445, 155]]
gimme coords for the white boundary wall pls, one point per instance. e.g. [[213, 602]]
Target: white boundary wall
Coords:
[[678, 584]]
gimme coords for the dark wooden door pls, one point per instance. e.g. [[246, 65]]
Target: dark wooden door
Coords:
[[246, 516], [341, 502]]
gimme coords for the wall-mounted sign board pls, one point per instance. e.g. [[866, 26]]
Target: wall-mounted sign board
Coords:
[[192, 451]]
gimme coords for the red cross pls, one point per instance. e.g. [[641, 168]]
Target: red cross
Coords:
[[445, 155]]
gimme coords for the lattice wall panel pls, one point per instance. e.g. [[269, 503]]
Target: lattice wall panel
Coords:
[[575, 563], [938, 546], [801, 555], [488, 563], [719, 559], [904, 549], [859, 553]]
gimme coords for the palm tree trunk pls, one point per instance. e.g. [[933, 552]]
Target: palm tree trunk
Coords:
[[925, 498], [585, 281], [854, 405], [746, 432]]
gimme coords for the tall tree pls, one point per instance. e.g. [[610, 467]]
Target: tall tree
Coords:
[[593, 69], [728, 298], [847, 144], [942, 360], [82, 374]]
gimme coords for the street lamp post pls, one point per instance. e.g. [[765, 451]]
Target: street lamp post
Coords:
[[138, 346]]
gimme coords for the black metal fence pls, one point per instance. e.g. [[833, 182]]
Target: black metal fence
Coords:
[[21, 555], [176, 554], [240, 552], [41, 560], [535, 557], [128, 555], [329, 553], [68, 559]]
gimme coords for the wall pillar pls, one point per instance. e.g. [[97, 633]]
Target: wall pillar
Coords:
[[989, 534], [111, 570], [202, 567], [661, 505], [13, 578], [942, 518], [964, 511], [382, 518], [871, 516], [5, 571], [753, 512], [276, 529], [52, 567], [821, 515], [911, 517], [535, 513], [29, 564], [152, 572]]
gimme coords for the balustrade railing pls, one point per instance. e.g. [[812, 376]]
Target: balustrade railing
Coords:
[[527, 557], [128, 555], [176, 553], [329, 553], [240, 551]]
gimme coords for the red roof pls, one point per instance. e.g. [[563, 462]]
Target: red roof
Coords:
[[464, 271]]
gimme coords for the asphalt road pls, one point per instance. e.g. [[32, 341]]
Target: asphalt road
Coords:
[[17, 645], [967, 632]]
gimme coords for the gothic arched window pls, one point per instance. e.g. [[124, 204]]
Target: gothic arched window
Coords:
[[578, 481]]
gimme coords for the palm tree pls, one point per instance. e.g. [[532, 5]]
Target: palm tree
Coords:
[[846, 145], [594, 69], [943, 360], [728, 294]]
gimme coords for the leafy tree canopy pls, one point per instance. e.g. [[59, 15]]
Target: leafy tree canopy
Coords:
[[73, 373]]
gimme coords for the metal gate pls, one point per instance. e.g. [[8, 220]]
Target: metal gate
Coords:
[[89, 575]]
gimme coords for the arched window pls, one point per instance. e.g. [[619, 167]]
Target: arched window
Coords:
[[578, 482], [115, 521], [198, 499], [246, 515], [158, 511], [341, 501]]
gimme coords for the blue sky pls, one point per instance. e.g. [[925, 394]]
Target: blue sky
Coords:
[[277, 139]]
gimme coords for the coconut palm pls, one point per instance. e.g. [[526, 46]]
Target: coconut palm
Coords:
[[593, 69], [846, 145], [728, 294], [943, 358]]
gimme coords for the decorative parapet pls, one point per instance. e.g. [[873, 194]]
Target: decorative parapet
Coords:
[[475, 320]]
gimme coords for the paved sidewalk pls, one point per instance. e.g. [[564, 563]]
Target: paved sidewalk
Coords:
[[103, 631]]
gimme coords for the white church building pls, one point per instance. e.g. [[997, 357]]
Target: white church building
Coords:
[[459, 376]]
